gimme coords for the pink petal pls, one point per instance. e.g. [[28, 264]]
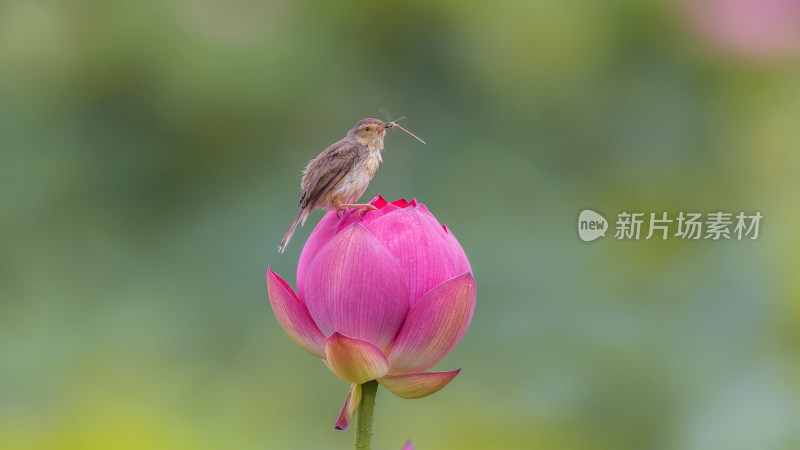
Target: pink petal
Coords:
[[350, 407], [434, 326], [462, 263], [424, 210], [417, 385], [407, 446], [293, 316], [330, 224], [322, 234], [401, 202], [421, 247], [354, 360], [378, 201], [356, 287], [389, 208]]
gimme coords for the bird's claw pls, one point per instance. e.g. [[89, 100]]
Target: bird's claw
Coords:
[[360, 207]]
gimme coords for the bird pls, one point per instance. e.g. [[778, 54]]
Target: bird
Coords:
[[338, 176]]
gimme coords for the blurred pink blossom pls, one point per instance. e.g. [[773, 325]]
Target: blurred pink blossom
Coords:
[[381, 298], [752, 29]]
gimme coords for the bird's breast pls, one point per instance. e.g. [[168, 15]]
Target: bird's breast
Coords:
[[372, 161], [357, 180]]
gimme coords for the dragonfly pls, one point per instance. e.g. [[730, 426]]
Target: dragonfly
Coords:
[[393, 123]]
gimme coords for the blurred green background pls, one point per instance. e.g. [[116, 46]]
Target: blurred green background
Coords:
[[150, 164]]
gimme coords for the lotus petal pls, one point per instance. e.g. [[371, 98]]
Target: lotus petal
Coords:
[[350, 407], [354, 360], [462, 263], [421, 247], [417, 385], [322, 234], [400, 202], [293, 315], [434, 326], [356, 287]]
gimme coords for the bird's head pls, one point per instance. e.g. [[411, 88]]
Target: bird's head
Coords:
[[370, 132]]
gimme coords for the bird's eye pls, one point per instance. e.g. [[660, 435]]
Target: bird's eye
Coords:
[[367, 128]]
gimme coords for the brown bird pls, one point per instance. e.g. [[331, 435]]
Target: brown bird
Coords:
[[338, 176]]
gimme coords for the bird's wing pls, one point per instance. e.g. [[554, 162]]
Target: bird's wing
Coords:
[[327, 169]]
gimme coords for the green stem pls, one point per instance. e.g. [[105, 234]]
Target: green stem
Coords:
[[364, 421]]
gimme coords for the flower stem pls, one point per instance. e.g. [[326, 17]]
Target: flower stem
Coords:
[[364, 421]]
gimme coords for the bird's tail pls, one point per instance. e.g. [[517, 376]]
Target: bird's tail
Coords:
[[301, 215]]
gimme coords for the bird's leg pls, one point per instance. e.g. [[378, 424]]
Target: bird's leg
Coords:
[[338, 207], [361, 207]]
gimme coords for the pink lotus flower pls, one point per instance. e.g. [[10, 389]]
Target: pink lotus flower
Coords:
[[381, 298]]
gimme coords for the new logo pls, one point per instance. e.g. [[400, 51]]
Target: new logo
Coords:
[[591, 225]]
